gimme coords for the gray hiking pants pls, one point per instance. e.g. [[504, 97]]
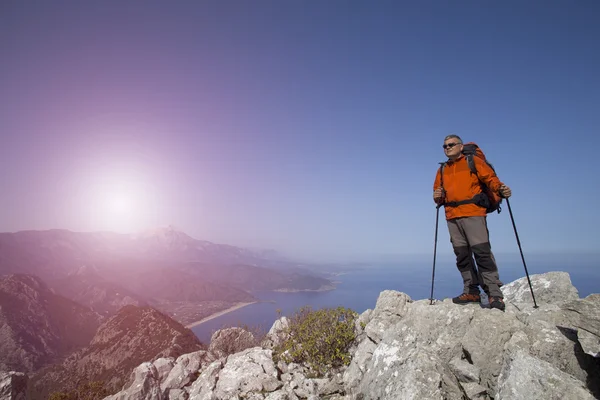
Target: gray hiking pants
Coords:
[[470, 237]]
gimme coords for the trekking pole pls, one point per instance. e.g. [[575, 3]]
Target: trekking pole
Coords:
[[437, 218], [521, 250]]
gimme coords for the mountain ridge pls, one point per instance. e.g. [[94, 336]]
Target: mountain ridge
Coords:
[[164, 267], [39, 326]]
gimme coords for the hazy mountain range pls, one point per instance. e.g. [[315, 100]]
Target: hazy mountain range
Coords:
[[160, 267], [91, 306]]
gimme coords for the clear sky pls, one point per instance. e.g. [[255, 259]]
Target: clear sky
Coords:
[[309, 127]]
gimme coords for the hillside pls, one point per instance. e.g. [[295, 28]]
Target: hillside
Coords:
[[134, 335], [37, 326]]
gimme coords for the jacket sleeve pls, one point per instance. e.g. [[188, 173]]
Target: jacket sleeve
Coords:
[[438, 181], [487, 175]]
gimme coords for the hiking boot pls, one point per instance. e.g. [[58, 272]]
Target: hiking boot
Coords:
[[497, 302], [466, 298]]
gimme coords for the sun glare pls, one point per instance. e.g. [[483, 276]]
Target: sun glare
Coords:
[[120, 205]]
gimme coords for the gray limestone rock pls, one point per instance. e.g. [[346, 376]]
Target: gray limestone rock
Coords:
[[475, 391], [186, 370], [484, 342], [359, 363], [277, 334], [203, 387], [391, 307], [252, 370], [524, 377], [177, 394], [230, 341], [163, 367], [144, 385], [465, 372], [587, 322], [414, 350], [551, 287]]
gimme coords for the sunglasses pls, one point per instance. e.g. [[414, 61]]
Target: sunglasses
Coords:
[[450, 145]]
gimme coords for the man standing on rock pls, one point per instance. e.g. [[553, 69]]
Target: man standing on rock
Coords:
[[467, 222]]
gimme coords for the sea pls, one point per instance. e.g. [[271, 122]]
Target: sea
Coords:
[[359, 288]]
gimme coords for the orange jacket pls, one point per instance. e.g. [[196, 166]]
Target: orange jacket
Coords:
[[460, 184]]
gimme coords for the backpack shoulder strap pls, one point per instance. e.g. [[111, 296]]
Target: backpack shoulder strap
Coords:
[[471, 163]]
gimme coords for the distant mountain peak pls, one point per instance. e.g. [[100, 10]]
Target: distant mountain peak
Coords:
[[85, 270], [161, 231], [168, 237]]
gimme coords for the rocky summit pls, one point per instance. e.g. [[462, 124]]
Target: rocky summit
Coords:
[[407, 349], [415, 350]]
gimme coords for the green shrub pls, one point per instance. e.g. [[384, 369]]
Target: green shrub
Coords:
[[88, 391], [319, 339]]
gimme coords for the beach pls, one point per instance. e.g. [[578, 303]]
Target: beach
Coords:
[[218, 314]]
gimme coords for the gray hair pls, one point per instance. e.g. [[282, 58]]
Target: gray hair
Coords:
[[453, 137]]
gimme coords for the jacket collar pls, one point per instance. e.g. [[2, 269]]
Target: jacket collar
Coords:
[[456, 160]]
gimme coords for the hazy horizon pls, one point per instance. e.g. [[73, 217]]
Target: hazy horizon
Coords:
[[392, 259], [310, 128]]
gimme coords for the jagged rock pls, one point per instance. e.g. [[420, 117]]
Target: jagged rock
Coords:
[[411, 359], [203, 388], [359, 363], [484, 341], [589, 342], [391, 307], [553, 342], [588, 327], [474, 391], [277, 333], [464, 371], [332, 386], [13, 385], [163, 367], [230, 341], [185, 369], [144, 384], [551, 287], [303, 387], [526, 377], [416, 350], [252, 370], [278, 395], [359, 326]]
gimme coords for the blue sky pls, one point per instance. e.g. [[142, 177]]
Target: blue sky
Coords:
[[313, 128]]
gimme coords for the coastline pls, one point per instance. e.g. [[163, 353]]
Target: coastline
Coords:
[[218, 314]]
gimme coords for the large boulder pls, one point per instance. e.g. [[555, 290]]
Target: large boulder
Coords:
[[144, 384], [252, 370], [185, 370], [277, 334], [549, 288], [586, 318], [526, 377], [230, 341]]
